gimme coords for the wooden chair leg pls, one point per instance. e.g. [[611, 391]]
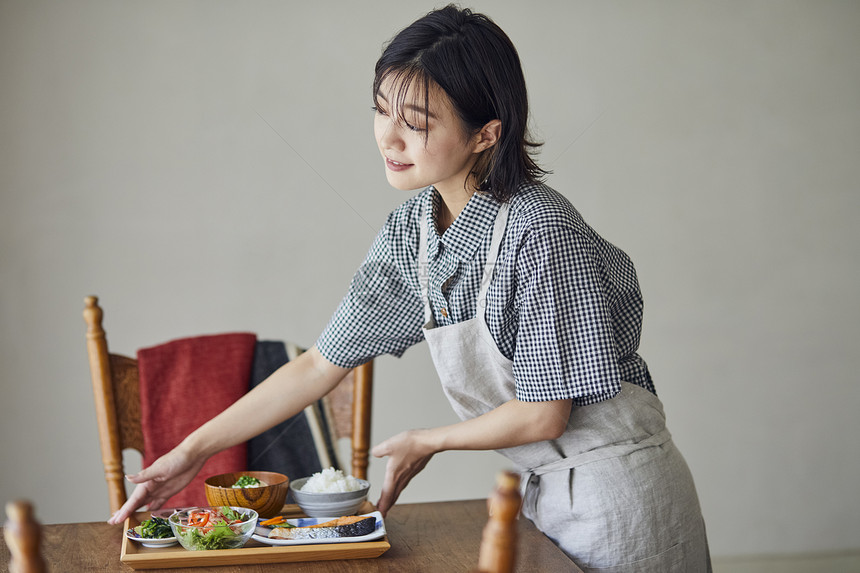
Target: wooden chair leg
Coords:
[[23, 536], [361, 414]]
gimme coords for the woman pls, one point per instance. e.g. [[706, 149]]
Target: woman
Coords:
[[532, 319]]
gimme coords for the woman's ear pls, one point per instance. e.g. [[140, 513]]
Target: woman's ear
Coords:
[[488, 136]]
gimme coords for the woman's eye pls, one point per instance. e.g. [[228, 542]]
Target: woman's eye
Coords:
[[379, 111]]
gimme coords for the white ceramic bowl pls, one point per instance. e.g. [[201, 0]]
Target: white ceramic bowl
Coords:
[[329, 504], [150, 541]]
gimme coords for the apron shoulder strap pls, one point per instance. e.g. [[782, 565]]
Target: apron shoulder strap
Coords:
[[492, 255], [423, 267]]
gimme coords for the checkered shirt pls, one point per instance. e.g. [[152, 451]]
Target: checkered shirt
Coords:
[[564, 304]]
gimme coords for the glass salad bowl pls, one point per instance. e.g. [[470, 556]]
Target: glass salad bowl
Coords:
[[204, 528]]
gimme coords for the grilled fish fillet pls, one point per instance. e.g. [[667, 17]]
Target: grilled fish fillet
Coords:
[[352, 526]]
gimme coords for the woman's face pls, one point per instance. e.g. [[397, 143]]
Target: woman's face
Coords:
[[421, 150]]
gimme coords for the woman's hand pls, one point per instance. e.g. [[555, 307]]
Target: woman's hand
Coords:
[[408, 452], [156, 483]]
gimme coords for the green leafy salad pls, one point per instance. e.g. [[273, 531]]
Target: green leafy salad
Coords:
[[154, 528], [213, 528]]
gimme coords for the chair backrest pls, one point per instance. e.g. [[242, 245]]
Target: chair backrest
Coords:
[[24, 537], [499, 542], [116, 392]]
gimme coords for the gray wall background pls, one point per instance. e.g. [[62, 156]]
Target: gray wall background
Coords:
[[210, 166]]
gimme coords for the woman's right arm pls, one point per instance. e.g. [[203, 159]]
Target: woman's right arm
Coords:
[[283, 394]]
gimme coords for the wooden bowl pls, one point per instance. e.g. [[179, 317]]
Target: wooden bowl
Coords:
[[267, 500]]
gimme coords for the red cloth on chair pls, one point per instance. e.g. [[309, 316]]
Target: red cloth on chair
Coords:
[[184, 383]]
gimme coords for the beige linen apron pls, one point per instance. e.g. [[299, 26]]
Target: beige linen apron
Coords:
[[613, 491]]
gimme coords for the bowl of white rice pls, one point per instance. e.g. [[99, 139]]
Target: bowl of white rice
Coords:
[[329, 493]]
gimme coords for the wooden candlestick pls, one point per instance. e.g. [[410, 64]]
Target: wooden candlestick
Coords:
[[23, 536], [499, 542]]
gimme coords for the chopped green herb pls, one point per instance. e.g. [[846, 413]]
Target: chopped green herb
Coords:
[[248, 481]]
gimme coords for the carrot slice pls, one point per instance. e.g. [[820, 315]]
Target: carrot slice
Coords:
[[275, 520]]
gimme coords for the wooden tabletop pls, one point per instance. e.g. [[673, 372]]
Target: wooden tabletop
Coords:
[[441, 536]]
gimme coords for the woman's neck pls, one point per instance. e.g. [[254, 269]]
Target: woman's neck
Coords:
[[452, 204]]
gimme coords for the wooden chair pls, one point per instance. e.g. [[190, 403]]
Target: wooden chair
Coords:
[[117, 400], [24, 537], [498, 551]]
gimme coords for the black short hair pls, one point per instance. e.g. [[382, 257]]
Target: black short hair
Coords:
[[475, 63]]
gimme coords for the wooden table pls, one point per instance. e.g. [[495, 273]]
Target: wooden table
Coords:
[[429, 537]]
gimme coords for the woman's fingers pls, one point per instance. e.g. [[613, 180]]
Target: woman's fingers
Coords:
[[144, 475], [135, 501], [388, 495], [139, 477], [162, 469], [150, 494], [381, 449], [390, 490]]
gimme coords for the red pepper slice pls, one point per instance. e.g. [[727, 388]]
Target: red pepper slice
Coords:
[[198, 519]]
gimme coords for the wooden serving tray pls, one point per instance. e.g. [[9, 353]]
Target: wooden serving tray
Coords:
[[137, 556]]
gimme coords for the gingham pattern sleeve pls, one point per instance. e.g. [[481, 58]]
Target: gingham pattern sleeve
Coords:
[[382, 312], [565, 345]]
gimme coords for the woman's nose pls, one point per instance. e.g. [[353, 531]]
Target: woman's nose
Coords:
[[391, 137]]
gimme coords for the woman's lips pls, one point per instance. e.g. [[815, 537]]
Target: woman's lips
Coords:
[[396, 165]]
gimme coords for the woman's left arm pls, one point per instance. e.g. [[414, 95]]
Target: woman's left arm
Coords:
[[514, 423]]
